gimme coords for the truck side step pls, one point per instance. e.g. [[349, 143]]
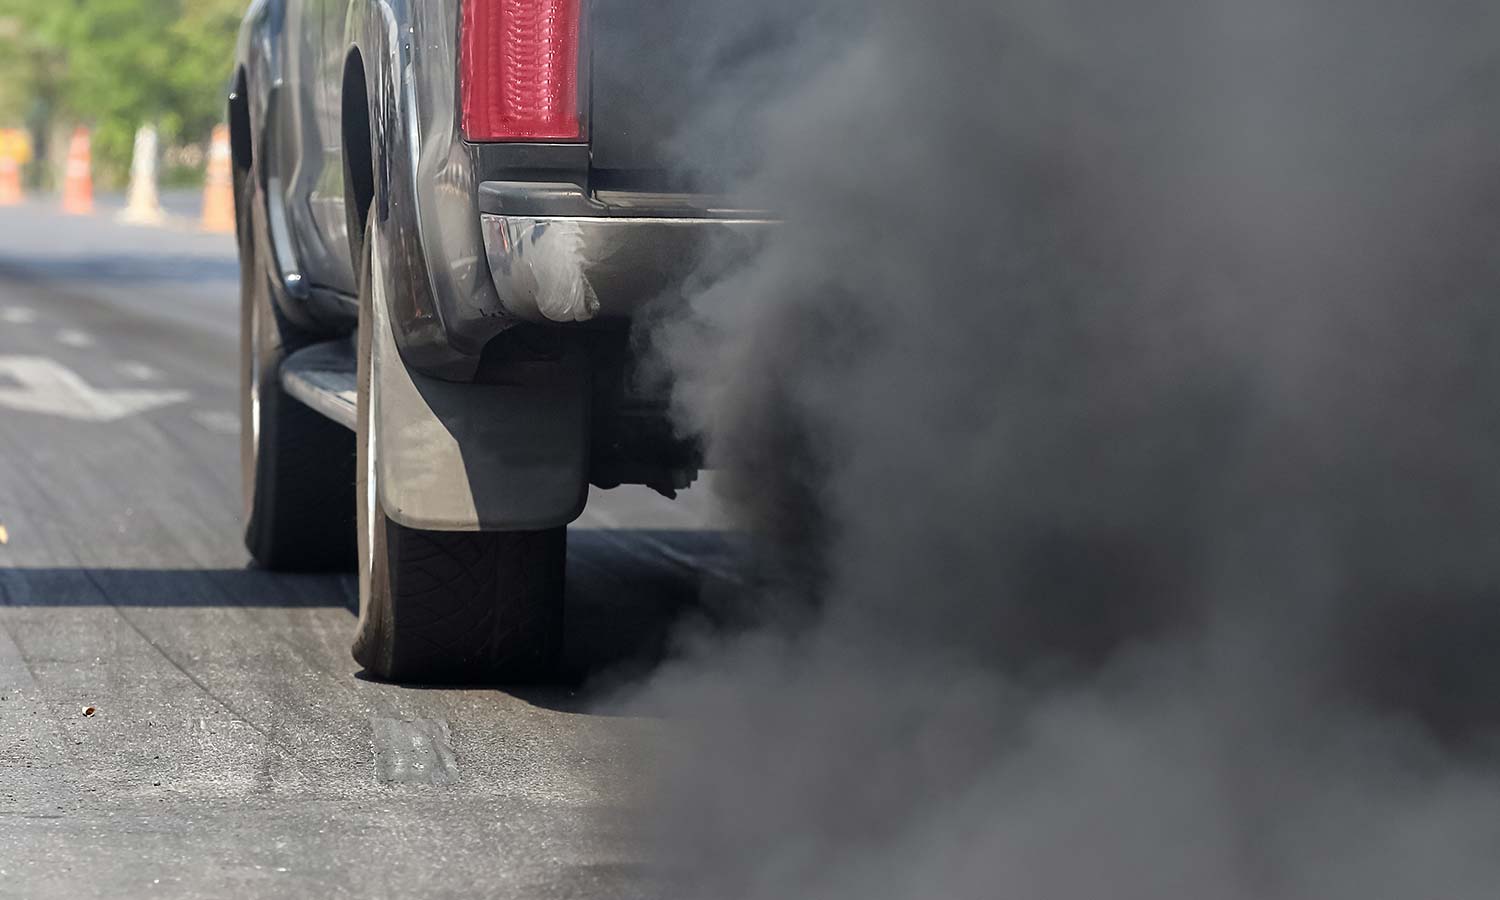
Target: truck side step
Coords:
[[323, 377]]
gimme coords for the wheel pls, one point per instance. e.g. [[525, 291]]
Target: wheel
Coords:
[[297, 467], [447, 606]]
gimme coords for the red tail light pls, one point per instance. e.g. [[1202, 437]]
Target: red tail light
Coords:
[[520, 70]]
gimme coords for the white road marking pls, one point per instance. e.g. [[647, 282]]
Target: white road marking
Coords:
[[17, 315], [72, 337], [137, 371], [416, 752], [218, 421], [52, 389]]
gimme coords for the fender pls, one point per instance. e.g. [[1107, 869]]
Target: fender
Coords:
[[444, 308], [261, 67], [510, 453]]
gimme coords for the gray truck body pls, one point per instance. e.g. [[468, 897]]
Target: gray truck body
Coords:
[[346, 114]]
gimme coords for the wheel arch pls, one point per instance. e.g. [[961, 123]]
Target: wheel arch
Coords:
[[356, 139], [421, 191], [240, 143]]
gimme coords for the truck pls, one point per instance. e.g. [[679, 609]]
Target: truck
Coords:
[[452, 216]]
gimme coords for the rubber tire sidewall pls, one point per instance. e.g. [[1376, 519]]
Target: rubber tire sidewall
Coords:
[[483, 577], [296, 466]]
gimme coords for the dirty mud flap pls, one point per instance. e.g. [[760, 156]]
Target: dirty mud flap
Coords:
[[508, 456]]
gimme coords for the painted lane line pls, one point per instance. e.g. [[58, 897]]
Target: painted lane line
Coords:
[[52, 389], [415, 752], [218, 421], [17, 315], [137, 371], [72, 337]]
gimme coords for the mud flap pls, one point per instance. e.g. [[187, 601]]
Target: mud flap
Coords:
[[479, 457]]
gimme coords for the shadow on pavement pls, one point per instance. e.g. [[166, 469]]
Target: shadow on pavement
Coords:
[[172, 588], [121, 268], [628, 594]]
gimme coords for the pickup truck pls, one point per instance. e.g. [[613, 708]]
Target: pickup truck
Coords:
[[449, 213]]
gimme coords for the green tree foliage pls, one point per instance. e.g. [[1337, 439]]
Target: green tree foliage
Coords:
[[115, 64]]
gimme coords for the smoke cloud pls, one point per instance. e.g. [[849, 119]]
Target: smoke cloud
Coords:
[[1116, 417]]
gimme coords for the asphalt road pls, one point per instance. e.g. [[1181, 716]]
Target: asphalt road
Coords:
[[233, 749]]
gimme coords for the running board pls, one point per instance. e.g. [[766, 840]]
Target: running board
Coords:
[[323, 377]]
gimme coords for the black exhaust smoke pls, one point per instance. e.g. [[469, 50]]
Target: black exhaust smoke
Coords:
[[1124, 389]]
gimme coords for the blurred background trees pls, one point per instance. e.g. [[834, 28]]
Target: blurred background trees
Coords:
[[115, 65]]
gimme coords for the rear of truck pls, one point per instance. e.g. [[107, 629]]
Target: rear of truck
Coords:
[[606, 144], [543, 175]]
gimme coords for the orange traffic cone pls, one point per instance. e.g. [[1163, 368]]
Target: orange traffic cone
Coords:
[[15, 151], [218, 187], [78, 177], [10, 180]]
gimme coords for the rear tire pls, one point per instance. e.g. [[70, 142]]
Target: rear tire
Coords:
[[297, 466], [443, 607]]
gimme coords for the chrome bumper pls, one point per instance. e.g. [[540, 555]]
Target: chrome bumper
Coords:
[[580, 268]]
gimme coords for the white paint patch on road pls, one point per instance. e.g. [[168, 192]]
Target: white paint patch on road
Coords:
[[17, 315], [50, 388], [218, 421], [137, 371], [415, 752], [72, 337]]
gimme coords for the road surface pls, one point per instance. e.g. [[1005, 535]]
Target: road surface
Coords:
[[233, 749]]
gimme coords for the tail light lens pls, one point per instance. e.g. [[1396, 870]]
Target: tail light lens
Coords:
[[520, 70]]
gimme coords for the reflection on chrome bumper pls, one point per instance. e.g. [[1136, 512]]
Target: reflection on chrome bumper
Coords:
[[577, 268]]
